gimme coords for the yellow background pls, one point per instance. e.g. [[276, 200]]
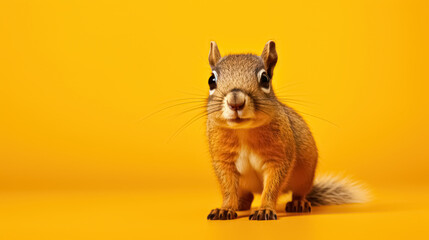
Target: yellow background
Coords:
[[80, 158]]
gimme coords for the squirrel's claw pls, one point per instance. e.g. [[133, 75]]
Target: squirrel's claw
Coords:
[[298, 206], [263, 214], [222, 214]]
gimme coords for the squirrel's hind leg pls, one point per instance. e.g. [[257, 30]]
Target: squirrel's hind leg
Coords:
[[300, 184]]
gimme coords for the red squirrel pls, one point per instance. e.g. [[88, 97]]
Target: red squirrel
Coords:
[[260, 145]]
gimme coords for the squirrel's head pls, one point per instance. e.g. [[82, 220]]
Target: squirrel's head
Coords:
[[241, 94]]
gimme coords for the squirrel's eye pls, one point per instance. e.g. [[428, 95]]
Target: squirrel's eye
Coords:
[[212, 82], [265, 80]]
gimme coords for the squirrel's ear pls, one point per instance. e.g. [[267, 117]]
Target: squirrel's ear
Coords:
[[269, 56], [214, 55]]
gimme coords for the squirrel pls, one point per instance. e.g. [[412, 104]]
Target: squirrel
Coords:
[[259, 145]]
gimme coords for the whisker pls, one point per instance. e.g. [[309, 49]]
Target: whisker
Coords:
[[194, 94], [222, 93], [294, 95], [199, 107], [295, 100], [298, 111], [181, 101], [196, 99], [166, 108], [192, 120], [301, 112], [185, 99], [286, 98], [259, 109], [288, 85], [266, 103]]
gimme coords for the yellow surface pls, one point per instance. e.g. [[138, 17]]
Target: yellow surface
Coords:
[[179, 214], [79, 158]]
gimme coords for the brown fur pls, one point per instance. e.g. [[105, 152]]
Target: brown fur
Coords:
[[274, 132]]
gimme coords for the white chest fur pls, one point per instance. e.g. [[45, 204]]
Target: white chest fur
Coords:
[[250, 167]]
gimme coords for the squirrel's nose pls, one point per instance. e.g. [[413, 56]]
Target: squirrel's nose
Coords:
[[236, 105], [236, 100]]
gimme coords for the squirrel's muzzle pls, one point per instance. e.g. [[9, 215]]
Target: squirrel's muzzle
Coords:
[[236, 100]]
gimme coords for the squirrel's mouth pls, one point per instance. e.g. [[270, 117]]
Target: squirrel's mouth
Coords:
[[238, 120]]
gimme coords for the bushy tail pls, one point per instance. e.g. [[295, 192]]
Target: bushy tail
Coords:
[[334, 190]]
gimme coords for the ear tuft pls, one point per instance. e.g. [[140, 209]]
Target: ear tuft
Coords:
[[214, 55], [269, 56]]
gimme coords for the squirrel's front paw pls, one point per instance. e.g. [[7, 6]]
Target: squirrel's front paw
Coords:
[[222, 214], [263, 214]]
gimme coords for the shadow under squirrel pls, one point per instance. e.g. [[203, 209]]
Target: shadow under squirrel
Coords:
[[260, 145]]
